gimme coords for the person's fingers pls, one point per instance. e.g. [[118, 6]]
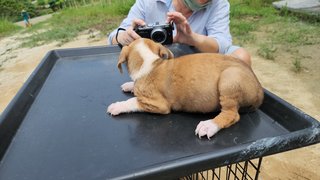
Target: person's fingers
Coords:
[[169, 18], [176, 17], [188, 28], [138, 22], [124, 38], [132, 34], [180, 21]]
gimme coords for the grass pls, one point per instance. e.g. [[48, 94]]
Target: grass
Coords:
[[67, 24], [279, 28], [298, 33], [247, 16], [267, 51], [297, 65], [7, 27]]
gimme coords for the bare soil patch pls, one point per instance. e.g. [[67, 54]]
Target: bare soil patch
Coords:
[[301, 90]]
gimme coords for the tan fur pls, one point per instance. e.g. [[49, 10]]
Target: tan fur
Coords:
[[203, 82]]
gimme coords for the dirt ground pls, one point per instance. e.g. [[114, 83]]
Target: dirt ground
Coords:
[[300, 89]]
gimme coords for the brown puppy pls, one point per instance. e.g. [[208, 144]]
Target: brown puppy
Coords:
[[204, 82]]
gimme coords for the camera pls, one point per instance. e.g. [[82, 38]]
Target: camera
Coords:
[[161, 33]]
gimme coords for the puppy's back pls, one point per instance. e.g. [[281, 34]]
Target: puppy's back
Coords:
[[193, 80]]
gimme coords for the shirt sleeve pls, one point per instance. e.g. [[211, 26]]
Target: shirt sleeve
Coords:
[[218, 26], [137, 11]]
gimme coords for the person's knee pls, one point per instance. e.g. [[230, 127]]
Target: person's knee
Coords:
[[243, 55]]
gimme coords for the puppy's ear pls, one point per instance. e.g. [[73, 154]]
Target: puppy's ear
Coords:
[[123, 57], [165, 53]]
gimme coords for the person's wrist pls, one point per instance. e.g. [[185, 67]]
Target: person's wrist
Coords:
[[204, 43], [196, 39], [122, 38]]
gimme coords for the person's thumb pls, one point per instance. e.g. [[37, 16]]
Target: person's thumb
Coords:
[[138, 22]]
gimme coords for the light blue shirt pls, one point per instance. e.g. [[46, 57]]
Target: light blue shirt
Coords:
[[213, 21]]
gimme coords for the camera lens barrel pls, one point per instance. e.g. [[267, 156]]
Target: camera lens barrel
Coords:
[[159, 35]]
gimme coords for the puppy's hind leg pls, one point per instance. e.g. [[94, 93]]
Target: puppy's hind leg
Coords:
[[230, 95], [227, 117]]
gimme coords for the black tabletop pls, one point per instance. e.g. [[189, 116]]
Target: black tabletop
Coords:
[[67, 134]]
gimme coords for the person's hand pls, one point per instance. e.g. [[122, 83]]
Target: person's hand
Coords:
[[126, 37], [184, 33]]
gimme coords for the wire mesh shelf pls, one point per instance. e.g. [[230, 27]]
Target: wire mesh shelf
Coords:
[[247, 170]]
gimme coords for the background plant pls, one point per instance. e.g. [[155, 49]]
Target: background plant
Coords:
[[67, 24], [7, 27]]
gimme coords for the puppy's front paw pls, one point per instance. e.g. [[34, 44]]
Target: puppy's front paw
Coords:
[[207, 128], [130, 105], [116, 108], [127, 87]]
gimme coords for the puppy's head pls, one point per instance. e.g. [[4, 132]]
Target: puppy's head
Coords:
[[140, 55]]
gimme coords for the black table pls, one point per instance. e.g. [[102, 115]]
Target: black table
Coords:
[[57, 127]]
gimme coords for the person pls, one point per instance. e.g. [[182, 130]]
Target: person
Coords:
[[26, 18], [203, 24]]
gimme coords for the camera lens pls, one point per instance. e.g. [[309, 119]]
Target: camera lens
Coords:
[[159, 35]]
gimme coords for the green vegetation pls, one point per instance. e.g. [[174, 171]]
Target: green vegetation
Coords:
[[66, 25], [253, 22], [7, 27], [276, 29], [297, 64], [11, 9], [246, 18], [267, 51]]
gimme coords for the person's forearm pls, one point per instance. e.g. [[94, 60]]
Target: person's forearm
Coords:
[[111, 37], [205, 43]]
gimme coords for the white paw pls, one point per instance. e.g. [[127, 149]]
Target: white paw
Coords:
[[207, 128], [130, 105], [116, 108], [127, 87]]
